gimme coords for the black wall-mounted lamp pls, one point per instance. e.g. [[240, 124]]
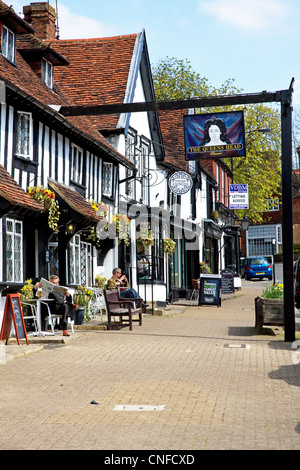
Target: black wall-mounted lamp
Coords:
[[245, 223], [70, 228]]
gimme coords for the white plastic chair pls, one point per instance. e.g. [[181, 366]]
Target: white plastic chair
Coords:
[[99, 301], [33, 317], [50, 317]]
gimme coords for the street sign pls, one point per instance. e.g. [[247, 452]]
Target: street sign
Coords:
[[238, 196]]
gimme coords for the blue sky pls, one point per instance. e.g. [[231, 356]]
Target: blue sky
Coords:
[[255, 42]]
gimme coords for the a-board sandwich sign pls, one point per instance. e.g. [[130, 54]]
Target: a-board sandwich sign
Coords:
[[210, 290]]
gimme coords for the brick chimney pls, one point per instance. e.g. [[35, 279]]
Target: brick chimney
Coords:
[[42, 17]]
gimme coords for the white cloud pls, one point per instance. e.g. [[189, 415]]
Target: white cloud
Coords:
[[73, 26], [81, 27], [245, 14]]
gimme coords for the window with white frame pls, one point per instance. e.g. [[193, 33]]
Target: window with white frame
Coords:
[[24, 134], [107, 179], [47, 73], [79, 262], [143, 172], [14, 250], [8, 44], [77, 165], [130, 148], [272, 205], [73, 261], [259, 239]]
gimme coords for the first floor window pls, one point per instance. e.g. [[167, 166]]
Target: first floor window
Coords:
[[23, 134], [77, 165], [14, 250], [107, 179]]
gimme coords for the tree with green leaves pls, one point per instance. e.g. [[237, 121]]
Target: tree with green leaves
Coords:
[[175, 79]]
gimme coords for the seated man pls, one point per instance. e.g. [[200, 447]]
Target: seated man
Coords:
[[63, 307], [119, 280]]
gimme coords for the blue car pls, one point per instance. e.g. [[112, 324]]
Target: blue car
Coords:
[[256, 267]]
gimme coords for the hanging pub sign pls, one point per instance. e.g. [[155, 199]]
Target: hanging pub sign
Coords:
[[180, 182], [217, 135], [238, 196]]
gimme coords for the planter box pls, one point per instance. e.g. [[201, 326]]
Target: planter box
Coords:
[[268, 312]]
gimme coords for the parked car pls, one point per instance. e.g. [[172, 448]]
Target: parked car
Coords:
[[256, 266], [297, 282]]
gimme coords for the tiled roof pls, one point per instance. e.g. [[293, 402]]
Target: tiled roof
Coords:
[[172, 130], [75, 201], [14, 194], [30, 45], [98, 72]]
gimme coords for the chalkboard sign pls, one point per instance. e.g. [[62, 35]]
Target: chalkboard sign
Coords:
[[13, 314], [210, 288], [227, 281]]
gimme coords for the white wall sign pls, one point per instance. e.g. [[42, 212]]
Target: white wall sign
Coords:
[[238, 196], [180, 182]]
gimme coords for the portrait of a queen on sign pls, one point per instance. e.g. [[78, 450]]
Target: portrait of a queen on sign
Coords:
[[214, 135]]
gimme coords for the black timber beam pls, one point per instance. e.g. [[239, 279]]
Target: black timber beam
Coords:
[[118, 108]]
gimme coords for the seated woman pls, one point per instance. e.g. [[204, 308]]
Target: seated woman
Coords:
[[119, 280]]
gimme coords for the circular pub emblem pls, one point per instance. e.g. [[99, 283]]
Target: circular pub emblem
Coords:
[[180, 182]]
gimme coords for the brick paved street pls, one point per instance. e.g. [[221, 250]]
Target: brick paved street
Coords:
[[220, 386]]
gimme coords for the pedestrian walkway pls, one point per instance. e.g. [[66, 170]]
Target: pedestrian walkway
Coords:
[[196, 378]]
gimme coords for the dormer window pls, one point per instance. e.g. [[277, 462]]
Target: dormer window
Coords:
[[8, 44], [47, 73]]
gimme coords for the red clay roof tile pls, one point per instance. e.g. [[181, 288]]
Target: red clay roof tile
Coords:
[[14, 194]]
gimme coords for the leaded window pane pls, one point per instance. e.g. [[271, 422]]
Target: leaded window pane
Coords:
[[14, 251], [77, 165], [23, 134], [107, 179]]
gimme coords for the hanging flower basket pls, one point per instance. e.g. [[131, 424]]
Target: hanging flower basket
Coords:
[[169, 246], [122, 225], [99, 207], [94, 237], [47, 199], [146, 239]]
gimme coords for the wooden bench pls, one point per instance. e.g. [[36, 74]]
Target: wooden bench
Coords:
[[117, 306]]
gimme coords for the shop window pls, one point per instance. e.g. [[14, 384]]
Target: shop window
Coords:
[[14, 251], [8, 44], [79, 262], [53, 255]]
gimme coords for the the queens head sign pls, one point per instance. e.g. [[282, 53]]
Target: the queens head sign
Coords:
[[214, 135]]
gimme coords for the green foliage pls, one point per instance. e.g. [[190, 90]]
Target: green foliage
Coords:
[[175, 79], [261, 168], [274, 291]]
